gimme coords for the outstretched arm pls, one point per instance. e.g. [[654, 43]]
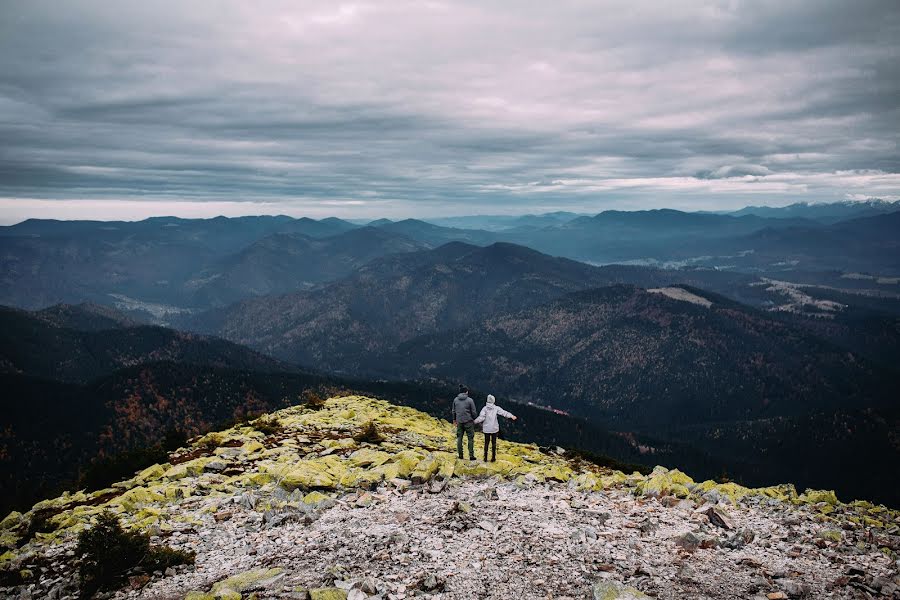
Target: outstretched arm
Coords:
[[480, 418], [507, 414]]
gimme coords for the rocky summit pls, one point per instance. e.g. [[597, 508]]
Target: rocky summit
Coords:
[[358, 499]]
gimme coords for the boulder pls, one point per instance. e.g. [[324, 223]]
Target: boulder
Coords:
[[663, 482], [367, 457], [406, 462], [719, 518], [816, 496], [306, 475], [255, 578], [328, 594], [426, 469]]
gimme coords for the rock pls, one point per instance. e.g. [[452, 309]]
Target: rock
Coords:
[[327, 594], [816, 496], [253, 579], [610, 590], [432, 583], [215, 466], [662, 482], [400, 484], [794, 589], [136, 582], [719, 518], [426, 469], [367, 457], [739, 539], [364, 500], [369, 585], [488, 526], [689, 541], [315, 498], [307, 475], [830, 535], [491, 494]]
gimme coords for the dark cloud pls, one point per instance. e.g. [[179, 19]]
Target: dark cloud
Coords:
[[404, 108]]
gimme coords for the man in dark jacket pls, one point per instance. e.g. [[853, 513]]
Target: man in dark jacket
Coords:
[[464, 414]]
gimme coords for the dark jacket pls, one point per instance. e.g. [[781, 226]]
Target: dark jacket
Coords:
[[464, 409]]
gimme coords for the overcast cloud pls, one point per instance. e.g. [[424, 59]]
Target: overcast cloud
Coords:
[[126, 109]]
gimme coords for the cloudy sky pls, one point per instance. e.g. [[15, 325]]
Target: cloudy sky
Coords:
[[127, 109]]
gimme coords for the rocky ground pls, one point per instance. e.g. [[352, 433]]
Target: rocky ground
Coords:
[[302, 510]]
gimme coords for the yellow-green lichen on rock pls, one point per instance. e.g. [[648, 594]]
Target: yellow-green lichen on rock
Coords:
[[306, 475], [663, 482], [816, 496], [327, 594], [227, 588]]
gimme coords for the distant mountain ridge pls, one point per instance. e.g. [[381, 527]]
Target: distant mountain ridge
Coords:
[[78, 349], [829, 213], [166, 266]]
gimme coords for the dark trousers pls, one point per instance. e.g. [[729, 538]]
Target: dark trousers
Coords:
[[490, 438], [469, 429]]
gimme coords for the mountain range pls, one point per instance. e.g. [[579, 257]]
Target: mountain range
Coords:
[[163, 267]]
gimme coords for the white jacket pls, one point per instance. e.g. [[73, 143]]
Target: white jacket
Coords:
[[488, 416]]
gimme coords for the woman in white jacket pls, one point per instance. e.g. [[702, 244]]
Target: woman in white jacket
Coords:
[[491, 426]]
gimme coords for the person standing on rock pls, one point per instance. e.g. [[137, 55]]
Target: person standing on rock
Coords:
[[491, 426], [464, 412]]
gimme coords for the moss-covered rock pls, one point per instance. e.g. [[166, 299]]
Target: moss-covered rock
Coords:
[[716, 492], [13, 520], [816, 496], [663, 482], [784, 493], [152, 473], [610, 590], [191, 468], [407, 461], [136, 498], [327, 594], [225, 589], [307, 475], [588, 482], [426, 469], [367, 457]]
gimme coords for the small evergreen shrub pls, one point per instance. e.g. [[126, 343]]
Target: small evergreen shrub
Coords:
[[107, 552], [267, 425], [369, 433], [313, 399]]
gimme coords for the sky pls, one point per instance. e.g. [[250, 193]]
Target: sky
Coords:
[[124, 110]]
